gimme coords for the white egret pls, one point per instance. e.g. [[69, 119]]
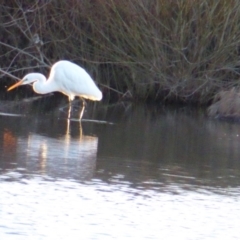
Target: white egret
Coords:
[[65, 77]]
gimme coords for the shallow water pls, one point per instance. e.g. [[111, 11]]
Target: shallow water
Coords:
[[158, 173]]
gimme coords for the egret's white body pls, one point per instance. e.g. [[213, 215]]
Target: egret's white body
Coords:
[[65, 77]]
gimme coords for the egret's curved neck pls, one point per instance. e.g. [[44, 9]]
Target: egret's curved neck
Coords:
[[43, 86]]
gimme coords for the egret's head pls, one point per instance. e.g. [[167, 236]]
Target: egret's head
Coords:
[[28, 79]]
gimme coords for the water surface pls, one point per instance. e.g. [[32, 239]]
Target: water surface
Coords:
[[158, 173]]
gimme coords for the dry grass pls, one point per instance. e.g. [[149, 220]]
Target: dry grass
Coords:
[[165, 49]]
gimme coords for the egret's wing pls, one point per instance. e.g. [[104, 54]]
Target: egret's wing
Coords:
[[74, 80]]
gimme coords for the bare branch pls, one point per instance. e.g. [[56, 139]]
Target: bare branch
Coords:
[[8, 74]]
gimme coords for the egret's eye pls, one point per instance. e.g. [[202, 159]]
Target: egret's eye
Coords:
[[25, 81]]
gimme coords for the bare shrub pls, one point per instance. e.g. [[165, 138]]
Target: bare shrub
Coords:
[[185, 49]]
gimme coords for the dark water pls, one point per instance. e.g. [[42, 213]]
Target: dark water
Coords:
[[158, 173]]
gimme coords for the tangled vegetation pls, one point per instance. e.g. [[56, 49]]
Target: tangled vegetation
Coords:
[[174, 50]]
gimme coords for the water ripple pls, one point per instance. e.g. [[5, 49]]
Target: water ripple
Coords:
[[63, 208]]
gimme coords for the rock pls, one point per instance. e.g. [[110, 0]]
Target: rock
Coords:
[[226, 104]]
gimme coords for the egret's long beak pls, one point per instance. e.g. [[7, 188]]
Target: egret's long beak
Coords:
[[15, 85]]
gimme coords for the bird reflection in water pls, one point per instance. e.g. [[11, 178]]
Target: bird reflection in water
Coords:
[[68, 156]]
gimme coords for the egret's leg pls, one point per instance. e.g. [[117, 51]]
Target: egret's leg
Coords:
[[69, 109], [83, 108], [67, 105]]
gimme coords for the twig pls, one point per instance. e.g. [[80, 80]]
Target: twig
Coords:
[[8, 74], [24, 52]]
